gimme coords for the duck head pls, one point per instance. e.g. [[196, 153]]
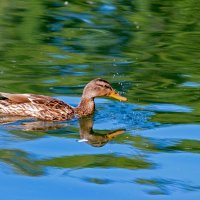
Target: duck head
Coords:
[[98, 88]]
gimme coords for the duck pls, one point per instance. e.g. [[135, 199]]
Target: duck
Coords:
[[51, 109]]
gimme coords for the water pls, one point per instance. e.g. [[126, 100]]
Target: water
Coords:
[[147, 148]]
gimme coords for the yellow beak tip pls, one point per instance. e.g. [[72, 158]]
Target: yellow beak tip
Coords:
[[124, 99], [118, 97]]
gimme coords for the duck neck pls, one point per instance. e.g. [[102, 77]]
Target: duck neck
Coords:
[[85, 107]]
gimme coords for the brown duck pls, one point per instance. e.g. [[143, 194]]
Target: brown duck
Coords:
[[48, 108]]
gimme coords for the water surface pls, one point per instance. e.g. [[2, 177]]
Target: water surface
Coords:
[[147, 148]]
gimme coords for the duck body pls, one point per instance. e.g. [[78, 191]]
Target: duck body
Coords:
[[52, 109]]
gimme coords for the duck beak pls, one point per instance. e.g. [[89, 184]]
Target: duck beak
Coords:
[[117, 96]]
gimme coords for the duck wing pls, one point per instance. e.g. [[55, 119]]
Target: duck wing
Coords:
[[15, 98], [29, 98], [39, 106]]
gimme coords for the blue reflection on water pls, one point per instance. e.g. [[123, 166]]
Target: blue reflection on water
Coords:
[[191, 84]]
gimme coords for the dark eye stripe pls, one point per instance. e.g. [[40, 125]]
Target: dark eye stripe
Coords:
[[102, 85], [107, 86]]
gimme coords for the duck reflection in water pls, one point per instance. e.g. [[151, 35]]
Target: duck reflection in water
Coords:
[[87, 134], [93, 138]]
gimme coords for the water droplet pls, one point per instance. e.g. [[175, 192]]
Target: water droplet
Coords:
[[66, 3]]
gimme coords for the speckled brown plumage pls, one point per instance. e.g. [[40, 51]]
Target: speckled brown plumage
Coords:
[[49, 108], [39, 106]]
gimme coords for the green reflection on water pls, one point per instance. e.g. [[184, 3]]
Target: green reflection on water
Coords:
[[91, 161], [147, 49]]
